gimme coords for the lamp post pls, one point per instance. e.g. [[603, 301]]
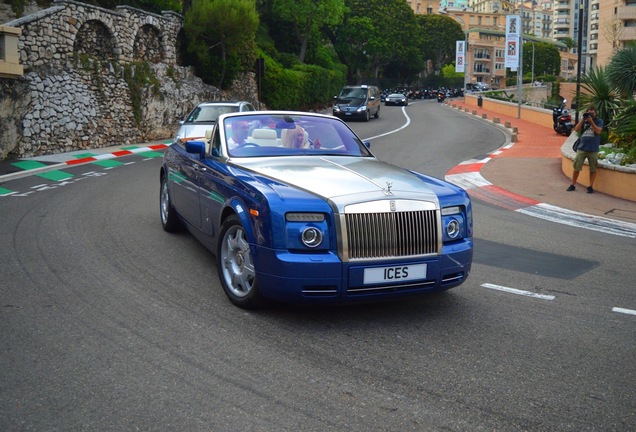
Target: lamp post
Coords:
[[532, 62], [579, 53], [520, 67]]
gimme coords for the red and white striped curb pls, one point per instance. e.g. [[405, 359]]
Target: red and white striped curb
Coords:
[[467, 175], [116, 154]]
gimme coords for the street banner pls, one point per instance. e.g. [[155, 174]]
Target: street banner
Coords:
[[460, 55], [512, 41]]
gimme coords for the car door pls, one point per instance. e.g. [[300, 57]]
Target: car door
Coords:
[[373, 103], [213, 186], [184, 178]]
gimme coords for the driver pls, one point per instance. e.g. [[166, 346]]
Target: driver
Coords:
[[240, 130]]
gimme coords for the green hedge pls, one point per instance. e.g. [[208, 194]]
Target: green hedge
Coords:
[[301, 87]]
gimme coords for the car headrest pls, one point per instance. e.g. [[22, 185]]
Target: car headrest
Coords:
[[264, 134]]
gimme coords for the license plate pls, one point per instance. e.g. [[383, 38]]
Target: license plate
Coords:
[[394, 274], [347, 113]]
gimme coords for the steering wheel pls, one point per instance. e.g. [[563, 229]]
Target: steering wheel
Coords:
[[248, 144]]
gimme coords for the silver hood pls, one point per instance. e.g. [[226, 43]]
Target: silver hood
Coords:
[[343, 180]]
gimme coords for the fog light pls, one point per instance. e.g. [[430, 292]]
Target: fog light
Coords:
[[311, 237]]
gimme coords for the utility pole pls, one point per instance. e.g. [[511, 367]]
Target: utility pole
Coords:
[[579, 53], [520, 69]]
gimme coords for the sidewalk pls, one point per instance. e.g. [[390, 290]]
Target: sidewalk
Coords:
[[526, 176]]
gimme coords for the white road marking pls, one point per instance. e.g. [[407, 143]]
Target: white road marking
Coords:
[[624, 311], [408, 122], [519, 292], [576, 219]]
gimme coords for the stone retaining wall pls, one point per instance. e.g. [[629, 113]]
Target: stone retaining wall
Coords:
[[96, 78]]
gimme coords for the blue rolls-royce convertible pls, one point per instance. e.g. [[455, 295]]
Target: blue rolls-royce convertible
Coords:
[[296, 208]]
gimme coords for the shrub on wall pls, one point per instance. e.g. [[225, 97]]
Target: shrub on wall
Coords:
[[301, 87]]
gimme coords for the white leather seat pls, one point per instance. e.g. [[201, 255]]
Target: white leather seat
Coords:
[[264, 137]]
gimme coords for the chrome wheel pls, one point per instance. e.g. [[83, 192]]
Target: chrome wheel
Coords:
[[169, 219], [236, 267]]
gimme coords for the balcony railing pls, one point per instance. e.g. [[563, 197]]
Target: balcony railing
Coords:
[[627, 34], [627, 12]]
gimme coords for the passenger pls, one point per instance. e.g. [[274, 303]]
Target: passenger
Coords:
[[296, 138]]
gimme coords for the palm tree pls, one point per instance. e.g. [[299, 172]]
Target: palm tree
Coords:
[[599, 92], [621, 71]]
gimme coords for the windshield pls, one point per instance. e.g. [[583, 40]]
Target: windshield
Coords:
[[209, 114], [260, 135], [352, 94]]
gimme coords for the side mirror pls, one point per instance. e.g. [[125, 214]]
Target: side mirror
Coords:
[[196, 147], [367, 144]]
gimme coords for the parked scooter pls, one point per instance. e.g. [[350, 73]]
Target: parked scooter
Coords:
[[562, 120]]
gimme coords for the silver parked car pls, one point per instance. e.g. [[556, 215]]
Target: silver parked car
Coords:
[[204, 116]]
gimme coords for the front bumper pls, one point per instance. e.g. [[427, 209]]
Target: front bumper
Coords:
[[349, 114], [323, 278]]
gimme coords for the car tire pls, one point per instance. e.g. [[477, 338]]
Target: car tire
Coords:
[[169, 219], [367, 116], [377, 113], [236, 267]]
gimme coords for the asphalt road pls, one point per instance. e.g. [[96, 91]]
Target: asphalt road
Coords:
[[109, 323]]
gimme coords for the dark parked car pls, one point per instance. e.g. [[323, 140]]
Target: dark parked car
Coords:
[[396, 99], [296, 208], [359, 102], [204, 115]]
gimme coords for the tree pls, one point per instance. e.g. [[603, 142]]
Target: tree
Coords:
[[350, 41], [547, 60], [621, 73], [621, 70], [374, 34], [600, 93], [439, 34], [308, 16], [612, 29], [448, 71], [568, 42], [221, 37]]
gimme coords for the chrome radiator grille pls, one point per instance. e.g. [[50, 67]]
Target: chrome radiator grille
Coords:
[[391, 234]]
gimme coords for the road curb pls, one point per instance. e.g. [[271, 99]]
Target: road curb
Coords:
[[467, 175]]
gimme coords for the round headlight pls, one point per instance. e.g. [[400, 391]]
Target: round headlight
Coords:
[[311, 237], [452, 228]]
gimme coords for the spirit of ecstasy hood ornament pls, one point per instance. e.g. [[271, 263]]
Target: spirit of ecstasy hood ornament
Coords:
[[387, 191]]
